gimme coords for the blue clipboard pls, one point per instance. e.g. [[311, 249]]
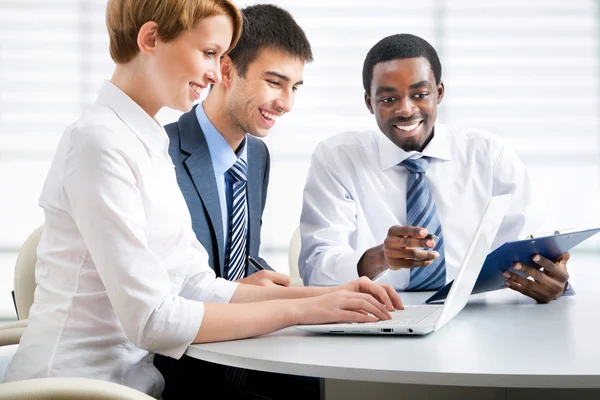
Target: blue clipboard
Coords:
[[491, 278]]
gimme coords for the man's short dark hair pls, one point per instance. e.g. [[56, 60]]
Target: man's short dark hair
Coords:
[[400, 46], [268, 26]]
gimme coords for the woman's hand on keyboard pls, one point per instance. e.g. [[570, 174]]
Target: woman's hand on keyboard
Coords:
[[381, 291], [340, 306]]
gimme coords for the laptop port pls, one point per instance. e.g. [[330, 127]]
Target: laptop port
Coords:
[[387, 330], [410, 330]]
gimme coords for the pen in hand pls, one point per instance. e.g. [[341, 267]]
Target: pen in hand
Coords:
[[274, 277], [432, 236], [255, 264]]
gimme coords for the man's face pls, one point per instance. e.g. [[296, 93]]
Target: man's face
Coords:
[[404, 98], [268, 90]]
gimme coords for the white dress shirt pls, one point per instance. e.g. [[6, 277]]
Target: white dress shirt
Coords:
[[120, 274], [356, 190]]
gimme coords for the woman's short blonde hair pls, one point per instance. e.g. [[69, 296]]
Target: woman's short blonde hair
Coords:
[[124, 18]]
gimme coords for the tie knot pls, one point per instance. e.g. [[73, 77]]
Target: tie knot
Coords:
[[416, 165], [238, 171]]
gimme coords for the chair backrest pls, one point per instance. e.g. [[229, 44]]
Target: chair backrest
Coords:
[[25, 273], [293, 255]]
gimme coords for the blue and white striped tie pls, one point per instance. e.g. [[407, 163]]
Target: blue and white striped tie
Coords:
[[422, 212], [235, 260]]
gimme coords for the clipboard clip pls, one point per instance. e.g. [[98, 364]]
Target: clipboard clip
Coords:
[[537, 235]]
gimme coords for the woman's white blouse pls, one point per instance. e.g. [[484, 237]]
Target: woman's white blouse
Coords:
[[120, 274]]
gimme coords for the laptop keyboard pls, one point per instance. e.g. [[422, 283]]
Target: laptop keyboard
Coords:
[[411, 315]]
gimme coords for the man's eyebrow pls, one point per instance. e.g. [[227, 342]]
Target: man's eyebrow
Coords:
[[384, 89], [282, 77], [419, 84]]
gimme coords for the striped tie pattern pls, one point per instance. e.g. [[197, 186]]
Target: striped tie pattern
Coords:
[[422, 212], [235, 260]]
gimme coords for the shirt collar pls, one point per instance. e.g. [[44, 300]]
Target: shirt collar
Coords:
[[146, 128], [221, 154], [439, 147]]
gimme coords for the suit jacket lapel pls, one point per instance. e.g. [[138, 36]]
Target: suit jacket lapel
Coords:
[[200, 168], [254, 197]]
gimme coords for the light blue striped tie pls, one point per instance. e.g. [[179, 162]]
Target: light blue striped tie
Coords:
[[235, 260], [421, 212]]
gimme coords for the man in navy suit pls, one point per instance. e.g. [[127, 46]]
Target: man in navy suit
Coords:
[[209, 147]]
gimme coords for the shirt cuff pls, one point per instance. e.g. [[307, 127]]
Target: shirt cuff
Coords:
[[336, 269], [381, 275], [180, 333], [223, 290], [346, 267], [217, 290]]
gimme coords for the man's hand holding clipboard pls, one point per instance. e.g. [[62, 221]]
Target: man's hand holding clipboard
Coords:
[[550, 278], [516, 265]]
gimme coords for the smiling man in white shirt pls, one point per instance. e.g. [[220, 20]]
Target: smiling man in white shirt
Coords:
[[371, 198]]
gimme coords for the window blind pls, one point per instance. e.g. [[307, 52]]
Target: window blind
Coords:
[[525, 70]]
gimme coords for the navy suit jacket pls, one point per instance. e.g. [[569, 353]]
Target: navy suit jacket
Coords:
[[196, 178]]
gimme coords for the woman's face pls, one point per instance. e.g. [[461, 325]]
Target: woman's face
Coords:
[[188, 64]]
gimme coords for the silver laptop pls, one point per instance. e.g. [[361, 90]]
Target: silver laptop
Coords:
[[426, 318]]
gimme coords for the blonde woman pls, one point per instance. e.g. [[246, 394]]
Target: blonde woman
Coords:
[[120, 274]]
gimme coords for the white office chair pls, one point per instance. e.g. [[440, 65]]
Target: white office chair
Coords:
[[10, 334], [24, 286], [69, 389], [25, 273], [293, 255]]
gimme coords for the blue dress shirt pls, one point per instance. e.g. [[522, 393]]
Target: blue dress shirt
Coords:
[[223, 158]]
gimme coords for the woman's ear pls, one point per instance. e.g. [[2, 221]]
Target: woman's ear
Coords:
[[147, 37]]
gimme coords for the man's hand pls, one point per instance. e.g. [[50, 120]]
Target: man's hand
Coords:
[[402, 248], [549, 278], [384, 293], [266, 278]]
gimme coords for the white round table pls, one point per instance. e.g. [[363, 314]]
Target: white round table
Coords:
[[500, 339]]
